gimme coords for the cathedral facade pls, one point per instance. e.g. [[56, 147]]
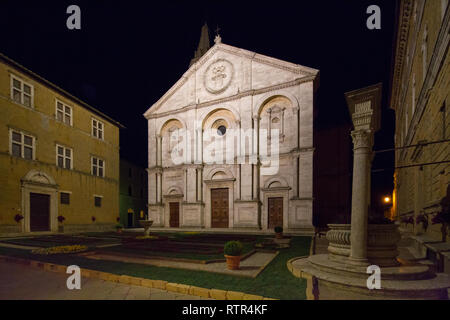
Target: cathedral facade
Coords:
[[230, 145]]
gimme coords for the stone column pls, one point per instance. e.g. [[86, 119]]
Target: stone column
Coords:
[[198, 146], [362, 141], [191, 184], [255, 156], [158, 187], [295, 163], [369, 174], [159, 150], [200, 184]]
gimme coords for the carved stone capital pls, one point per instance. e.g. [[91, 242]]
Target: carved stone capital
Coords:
[[362, 139]]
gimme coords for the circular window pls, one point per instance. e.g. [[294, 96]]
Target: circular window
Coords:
[[221, 130]]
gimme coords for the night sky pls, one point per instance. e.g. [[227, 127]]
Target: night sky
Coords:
[[129, 53]]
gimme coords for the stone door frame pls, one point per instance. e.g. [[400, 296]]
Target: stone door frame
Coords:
[[179, 213], [39, 182], [167, 200], [219, 184], [228, 209], [280, 192], [268, 210]]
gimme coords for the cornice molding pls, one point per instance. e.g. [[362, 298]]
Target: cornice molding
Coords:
[[401, 48], [232, 98], [433, 71]]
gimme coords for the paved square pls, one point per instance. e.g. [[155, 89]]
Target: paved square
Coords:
[[20, 282]]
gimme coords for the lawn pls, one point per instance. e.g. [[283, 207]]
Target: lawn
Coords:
[[192, 246], [274, 282]]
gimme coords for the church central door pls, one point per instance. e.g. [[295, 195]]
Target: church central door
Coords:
[[275, 212], [174, 214], [219, 208], [39, 212]]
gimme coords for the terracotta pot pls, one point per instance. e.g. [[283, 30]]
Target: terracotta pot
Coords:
[[279, 235], [233, 262]]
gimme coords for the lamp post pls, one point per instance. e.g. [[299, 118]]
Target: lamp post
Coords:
[[364, 107]]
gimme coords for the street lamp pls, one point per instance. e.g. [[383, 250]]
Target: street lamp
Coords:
[[387, 199]]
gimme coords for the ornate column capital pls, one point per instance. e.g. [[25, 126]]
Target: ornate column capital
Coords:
[[362, 139]]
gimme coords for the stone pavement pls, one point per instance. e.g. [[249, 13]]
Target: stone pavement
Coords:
[[19, 282]]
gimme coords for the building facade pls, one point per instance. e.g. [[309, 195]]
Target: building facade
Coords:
[[58, 157], [420, 98], [133, 193], [197, 179]]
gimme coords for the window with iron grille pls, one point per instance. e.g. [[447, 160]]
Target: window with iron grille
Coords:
[[64, 197], [98, 201]]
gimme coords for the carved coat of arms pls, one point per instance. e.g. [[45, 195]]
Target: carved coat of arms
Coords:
[[218, 76]]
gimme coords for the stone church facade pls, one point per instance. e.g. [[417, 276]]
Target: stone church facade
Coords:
[[227, 91]]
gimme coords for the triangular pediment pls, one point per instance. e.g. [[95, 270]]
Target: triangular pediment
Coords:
[[225, 71]]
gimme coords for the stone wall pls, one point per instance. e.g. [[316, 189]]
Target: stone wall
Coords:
[[254, 92], [40, 122], [421, 103]]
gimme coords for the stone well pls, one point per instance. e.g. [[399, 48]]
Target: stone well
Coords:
[[381, 243]]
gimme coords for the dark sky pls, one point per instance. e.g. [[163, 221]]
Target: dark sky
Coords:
[[129, 53]]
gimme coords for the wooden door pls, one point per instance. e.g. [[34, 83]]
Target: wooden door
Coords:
[[174, 208], [275, 212], [39, 212], [130, 220], [219, 208]]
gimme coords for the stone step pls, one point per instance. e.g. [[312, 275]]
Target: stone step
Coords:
[[402, 272], [344, 286]]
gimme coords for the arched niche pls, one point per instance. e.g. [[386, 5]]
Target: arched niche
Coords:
[[276, 113], [218, 117], [171, 134]]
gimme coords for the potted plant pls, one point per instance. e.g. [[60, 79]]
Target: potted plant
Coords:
[[407, 220], [443, 216], [119, 227], [423, 219], [18, 217], [233, 251], [278, 232], [443, 219], [60, 223]]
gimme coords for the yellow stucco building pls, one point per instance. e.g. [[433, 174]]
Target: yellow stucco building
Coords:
[[420, 98], [59, 157]]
